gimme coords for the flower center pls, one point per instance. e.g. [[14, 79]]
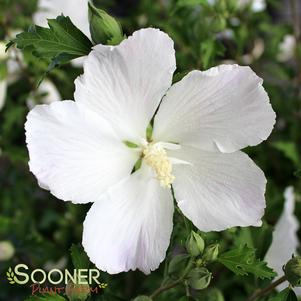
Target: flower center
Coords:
[[156, 157]]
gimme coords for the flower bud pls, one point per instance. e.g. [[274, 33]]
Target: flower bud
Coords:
[[195, 244], [211, 252], [292, 271], [7, 250], [77, 292], [199, 278], [104, 28]]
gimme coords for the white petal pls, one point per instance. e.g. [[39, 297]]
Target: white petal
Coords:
[[218, 191], [74, 153], [3, 87], [77, 10], [126, 83], [224, 108], [285, 240], [130, 227]]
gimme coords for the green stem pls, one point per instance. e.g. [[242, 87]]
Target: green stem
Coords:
[[269, 288], [174, 283]]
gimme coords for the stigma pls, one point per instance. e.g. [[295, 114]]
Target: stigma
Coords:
[[156, 157]]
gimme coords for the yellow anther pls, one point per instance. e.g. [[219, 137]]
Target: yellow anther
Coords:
[[156, 157]]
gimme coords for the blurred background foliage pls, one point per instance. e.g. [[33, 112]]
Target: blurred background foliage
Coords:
[[262, 34]]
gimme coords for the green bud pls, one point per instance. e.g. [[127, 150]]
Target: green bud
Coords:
[[104, 28], [292, 271], [143, 298], [199, 278], [178, 264], [211, 252], [77, 292], [195, 244]]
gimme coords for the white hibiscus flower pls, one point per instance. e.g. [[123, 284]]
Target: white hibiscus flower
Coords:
[[78, 150], [285, 240]]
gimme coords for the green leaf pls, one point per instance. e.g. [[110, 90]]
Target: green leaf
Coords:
[[46, 297], [289, 149], [79, 257], [285, 295], [59, 43], [104, 28], [242, 261], [255, 237]]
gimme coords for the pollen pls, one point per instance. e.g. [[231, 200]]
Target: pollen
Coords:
[[156, 157]]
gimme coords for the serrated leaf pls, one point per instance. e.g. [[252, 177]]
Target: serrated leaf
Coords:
[[242, 261], [79, 257], [59, 43]]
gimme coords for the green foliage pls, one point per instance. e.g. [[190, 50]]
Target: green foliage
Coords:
[[60, 43], [79, 257], [289, 149], [242, 261]]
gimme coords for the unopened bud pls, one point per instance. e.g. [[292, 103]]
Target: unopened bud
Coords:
[[292, 271], [195, 244], [77, 292], [211, 252], [199, 278], [103, 27]]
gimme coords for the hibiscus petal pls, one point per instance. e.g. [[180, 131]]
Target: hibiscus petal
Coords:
[[285, 240], [224, 108], [218, 191], [74, 153], [131, 227], [125, 83]]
